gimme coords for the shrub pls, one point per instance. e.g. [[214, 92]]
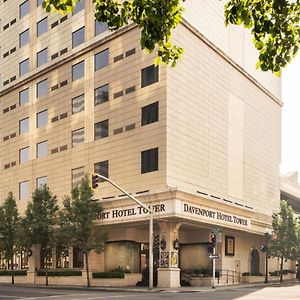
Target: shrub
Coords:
[[252, 274], [16, 272], [108, 275], [57, 273]]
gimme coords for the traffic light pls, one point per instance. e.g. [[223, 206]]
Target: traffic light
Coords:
[[213, 240], [95, 181]]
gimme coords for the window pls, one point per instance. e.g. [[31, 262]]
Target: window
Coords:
[[100, 27], [24, 155], [149, 114], [42, 57], [101, 59], [24, 190], [42, 27], [78, 71], [39, 2], [42, 88], [24, 38], [79, 7], [24, 97], [24, 126], [149, 75], [101, 129], [101, 94], [149, 160], [41, 181], [77, 175], [78, 37], [78, 104], [24, 9], [41, 149], [77, 137], [102, 169], [41, 119], [24, 67]]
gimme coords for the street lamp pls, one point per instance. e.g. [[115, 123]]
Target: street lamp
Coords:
[[95, 183], [267, 237]]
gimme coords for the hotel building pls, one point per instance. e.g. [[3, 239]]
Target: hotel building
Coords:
[[199, 143]]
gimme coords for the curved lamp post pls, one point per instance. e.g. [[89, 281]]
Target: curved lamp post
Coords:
[[267, 234]]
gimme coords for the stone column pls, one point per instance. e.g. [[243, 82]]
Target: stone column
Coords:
[[34, 263], [168, 271]]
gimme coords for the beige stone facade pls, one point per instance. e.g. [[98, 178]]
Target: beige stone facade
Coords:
[[217, 134]]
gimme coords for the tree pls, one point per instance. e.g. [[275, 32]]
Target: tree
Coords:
[[39, 223], [296, 249], [284, 234], [9, 230], [76, 222], [274, 25]]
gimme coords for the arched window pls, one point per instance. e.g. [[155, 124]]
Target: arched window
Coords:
[[254, 261]]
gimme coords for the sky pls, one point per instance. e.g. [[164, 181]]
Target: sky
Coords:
[[290, 155]]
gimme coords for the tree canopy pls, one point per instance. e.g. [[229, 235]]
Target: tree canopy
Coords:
[[274, 25]]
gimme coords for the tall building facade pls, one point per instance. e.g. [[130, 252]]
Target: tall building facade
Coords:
[[199, 144]]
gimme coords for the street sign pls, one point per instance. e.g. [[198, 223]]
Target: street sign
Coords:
[[214, 256]]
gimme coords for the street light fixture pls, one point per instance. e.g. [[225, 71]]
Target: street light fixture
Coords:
[[95, 185], [267, 234]]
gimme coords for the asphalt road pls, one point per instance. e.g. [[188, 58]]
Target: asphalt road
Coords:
[[249, 293]]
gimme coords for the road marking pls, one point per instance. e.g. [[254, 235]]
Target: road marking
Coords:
[[6, 296], [54, 296], [106, 297]]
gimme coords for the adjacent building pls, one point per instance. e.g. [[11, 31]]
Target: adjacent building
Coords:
[[199, 143]]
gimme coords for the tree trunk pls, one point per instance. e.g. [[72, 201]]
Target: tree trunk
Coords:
[[298, 270], [281, 268], [12, 271], [87, 269], [46, 272]]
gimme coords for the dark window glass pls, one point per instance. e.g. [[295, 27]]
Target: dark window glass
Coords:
[[42, 88], [100, 27], [24, 38], [24, 126], [101, 59], [78, 37], [149, 160], [24, 190], [150, 113], [101, 129], [77, 258], [24, 97], [149, 75], [79, 7], [24, 9], [41, 149], [24, 155], [24, 67], [42, 57], [102, 169], [101, 94], [41, 119], [77, 137], [78, 104], [78, 71], [42, 27]]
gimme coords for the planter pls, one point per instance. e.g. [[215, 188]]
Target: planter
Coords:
[[252, 279], [201, 281], [130, 279]]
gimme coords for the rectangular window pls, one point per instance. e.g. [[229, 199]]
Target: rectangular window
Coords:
[[41, 181], [77, 175], [101, 130], [101, 59], [24, 38], [42, 27], [24, 190], [24, 155], [24, 67], [42, 119], [24, 97], [42, 57], [24, 9], [24, 126], [79, 7], [42, 149], [149, 160], [78, 104], [39, 2], [42, 88], [78, 71], [149, 114], [102, 169], [78, 37], [149, 75], [101, 94], [77, 137], [100, 27]]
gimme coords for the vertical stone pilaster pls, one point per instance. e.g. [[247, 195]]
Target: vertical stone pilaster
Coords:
[[34, 263]]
